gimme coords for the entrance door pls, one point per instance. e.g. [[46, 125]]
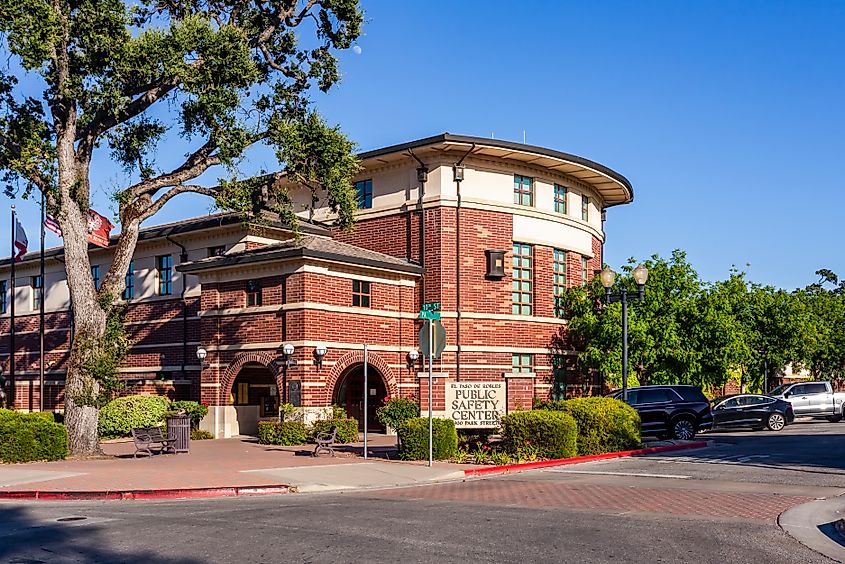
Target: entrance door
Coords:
[[350, 395]]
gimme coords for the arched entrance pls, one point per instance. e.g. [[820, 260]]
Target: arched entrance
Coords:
[[349, 394], [255, 396]]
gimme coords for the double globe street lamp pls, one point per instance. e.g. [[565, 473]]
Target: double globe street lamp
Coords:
[[608, 278]]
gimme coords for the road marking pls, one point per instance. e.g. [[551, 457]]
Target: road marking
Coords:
[[634, 474], [727, 459]]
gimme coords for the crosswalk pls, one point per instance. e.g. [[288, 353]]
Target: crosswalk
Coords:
[[723, 459]]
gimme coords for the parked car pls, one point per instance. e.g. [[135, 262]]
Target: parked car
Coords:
[[813, 399], [751, 410], [670, 411]]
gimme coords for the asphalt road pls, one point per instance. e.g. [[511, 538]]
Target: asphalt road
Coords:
[[712, 505]]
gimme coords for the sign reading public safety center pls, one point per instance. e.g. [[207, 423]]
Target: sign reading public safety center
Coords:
[[475, 405]]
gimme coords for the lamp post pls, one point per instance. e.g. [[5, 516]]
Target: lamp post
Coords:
[[608, 277], [413, 355], [287, 352]]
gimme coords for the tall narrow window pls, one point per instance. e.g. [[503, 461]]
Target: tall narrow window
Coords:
[[522, 363], [523, 279], [129, 290], [360, 293], [95, 274], [585, 208], [560, 198], [559, 279], [364, 189], [559, 373], [3, 298], [253, 293], [164, 267], [523, 190], [37, 292], [584, 274]]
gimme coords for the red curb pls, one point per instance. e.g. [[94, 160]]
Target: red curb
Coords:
[[578, 459], [179, 493]]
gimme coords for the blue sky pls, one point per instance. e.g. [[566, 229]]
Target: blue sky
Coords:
[[727, 117]]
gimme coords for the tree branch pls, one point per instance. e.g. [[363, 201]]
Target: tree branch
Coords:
[[197, 163], [155, 206]]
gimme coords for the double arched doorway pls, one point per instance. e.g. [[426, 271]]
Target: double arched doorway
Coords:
[[349, 394]]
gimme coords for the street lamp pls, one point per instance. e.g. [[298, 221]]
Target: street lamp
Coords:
[[413, 355], [320, 352], [608, 277], [201, 354], [287, 353]]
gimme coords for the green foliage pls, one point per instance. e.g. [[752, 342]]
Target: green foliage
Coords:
[[25, 438], [604, 424], [413, 434], [103, 356], [194, 409], [347, 429], [122, 414], [397, 410], [200, 435], [553, 433], [339, 412], [285, 433]]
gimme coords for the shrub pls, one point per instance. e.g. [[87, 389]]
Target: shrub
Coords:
[[553, 433], [604, 424], [200, 435], [196, 410], [285, 433], [347, 429], [339, 412], [397, 410], [130, 412], [413, 434], [25, 438], [9, 415]]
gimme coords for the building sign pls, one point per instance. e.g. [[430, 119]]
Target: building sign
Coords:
[[475, 405]]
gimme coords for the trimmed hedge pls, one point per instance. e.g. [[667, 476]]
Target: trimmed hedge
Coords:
[[285, 433], [196, 410], [130, 412], [413, 435], [30, 437], [9, 414], [347, 429], [604, 424], [552, 433]]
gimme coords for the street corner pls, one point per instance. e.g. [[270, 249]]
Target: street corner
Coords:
[[818, 525]]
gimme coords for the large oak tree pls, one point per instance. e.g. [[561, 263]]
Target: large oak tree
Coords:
[[112, 79]]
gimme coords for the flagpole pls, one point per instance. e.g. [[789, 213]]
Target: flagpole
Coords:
[[11, 399], [41, 315]]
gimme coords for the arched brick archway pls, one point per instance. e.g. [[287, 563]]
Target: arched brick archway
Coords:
[[357, 357], [264, 358]]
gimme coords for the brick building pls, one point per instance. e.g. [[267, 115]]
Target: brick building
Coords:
[[492, 230]]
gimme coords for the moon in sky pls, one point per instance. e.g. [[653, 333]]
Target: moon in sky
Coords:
[[356, 50]]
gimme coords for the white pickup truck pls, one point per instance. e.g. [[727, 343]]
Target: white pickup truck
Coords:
[[812, 399]]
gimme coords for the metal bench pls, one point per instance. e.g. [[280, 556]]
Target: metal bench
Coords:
[[325, 442], [147, 438]]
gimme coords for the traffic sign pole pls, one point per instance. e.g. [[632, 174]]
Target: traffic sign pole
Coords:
[[366, 392], [430, 385]]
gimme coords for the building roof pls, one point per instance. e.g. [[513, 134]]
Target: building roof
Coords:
[[305, 247], [614, 188], [191, 225]]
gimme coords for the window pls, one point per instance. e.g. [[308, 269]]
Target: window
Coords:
[[240, 393], [129, 290], [584, 274], [559, 373], [217, 250], [523, 190], [360, 293], [560, 198], [522, 363], [364, 189], [3, 299], [164, 266], [95, 274], [585, 208], [559, 279], [523, 277], [37, 292], [253, 293], [654, 396], [815, 389]]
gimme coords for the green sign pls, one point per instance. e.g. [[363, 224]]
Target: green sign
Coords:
[[431, 306], [424, 314]]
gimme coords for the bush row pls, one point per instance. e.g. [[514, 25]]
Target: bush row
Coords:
[[604, 424], [290, 433], [124, 413], [413, 436], [27, 437]]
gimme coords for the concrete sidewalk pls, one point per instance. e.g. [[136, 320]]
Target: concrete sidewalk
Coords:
[[225, 463]]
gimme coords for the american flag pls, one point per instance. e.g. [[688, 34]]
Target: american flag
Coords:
[[53, 225]]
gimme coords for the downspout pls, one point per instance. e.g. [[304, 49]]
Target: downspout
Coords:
[[183, 258], [458, 179]]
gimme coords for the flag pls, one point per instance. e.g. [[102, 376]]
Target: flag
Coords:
[[98, 229], [21, 241], [53, 225]]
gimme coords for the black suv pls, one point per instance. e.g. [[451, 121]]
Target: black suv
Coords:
[[678, 412]]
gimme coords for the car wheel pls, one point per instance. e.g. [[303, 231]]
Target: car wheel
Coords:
[[835, 418], [683, 429], [776, 422]]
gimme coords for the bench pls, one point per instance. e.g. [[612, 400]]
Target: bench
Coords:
[[325, 442], [147, 438]]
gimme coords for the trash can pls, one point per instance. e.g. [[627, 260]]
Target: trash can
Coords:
[[179, 428]]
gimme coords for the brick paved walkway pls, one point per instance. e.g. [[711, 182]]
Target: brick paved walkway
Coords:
[[527, 493]]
